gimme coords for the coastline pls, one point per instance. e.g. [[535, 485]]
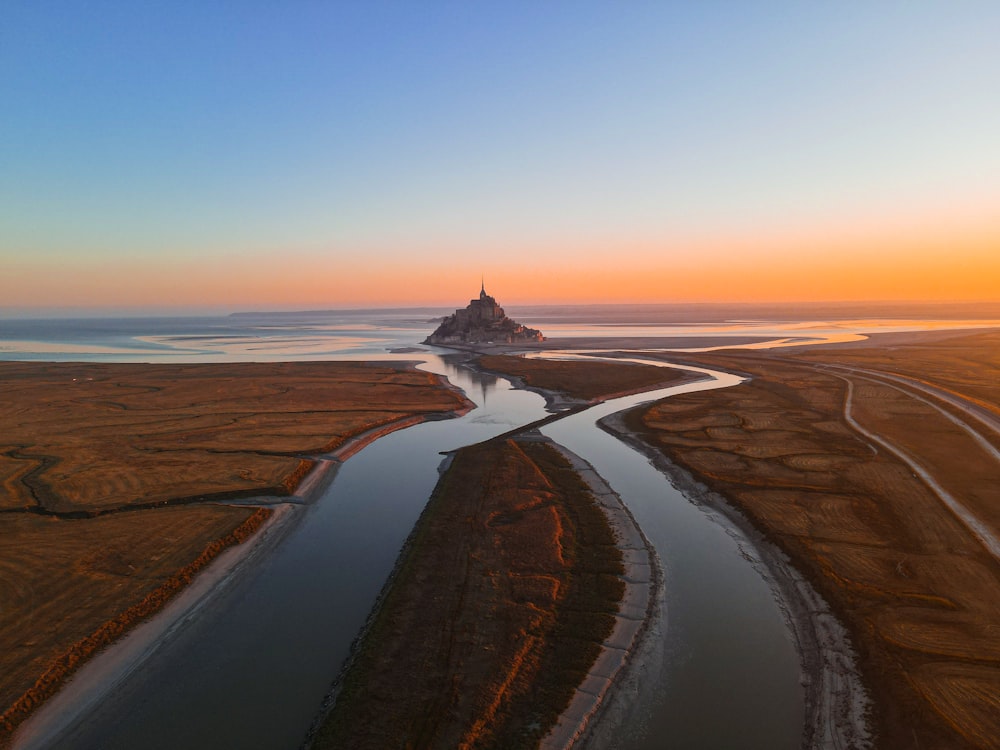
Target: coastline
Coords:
[[97, 673], [91, 681], [836, 702]]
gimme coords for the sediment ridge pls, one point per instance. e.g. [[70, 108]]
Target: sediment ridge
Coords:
[[66, 663], [500, 601]]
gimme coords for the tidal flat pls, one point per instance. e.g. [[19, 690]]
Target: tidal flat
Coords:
[[899, 396], [121, 481], [876, 469]]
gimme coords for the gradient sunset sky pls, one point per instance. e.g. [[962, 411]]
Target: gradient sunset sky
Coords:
[[276, 155]]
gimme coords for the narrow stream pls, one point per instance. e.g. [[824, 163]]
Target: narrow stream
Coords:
[[727, 675], [251, 669]]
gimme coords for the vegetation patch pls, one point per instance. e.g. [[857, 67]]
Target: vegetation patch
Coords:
[[90, 437], [105, 470], [582, 379], [496, 612]]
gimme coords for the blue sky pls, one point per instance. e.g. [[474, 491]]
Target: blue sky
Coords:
[[169, 139]]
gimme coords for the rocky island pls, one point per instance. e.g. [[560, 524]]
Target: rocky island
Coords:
[[483, 321]]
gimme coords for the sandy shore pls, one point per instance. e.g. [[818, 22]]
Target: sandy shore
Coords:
[[836, 701], [105, 671], [643, 589]]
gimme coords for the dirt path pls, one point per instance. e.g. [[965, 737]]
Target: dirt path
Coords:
[[978, 528]]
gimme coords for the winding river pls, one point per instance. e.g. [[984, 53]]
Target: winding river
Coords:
[[251, 669]]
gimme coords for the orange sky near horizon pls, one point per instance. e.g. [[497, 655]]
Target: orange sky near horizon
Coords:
[[916, 263], [387, 156]]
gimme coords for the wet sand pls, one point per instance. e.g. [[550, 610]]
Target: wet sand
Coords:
[[579, 723]]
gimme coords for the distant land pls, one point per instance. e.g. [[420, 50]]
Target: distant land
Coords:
[[700, 312]]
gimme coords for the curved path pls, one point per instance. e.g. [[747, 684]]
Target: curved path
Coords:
[[979, 529], [986, 416]]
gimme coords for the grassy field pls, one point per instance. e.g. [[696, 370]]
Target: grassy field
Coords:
[[71, 587], [89, 437], [495, 614], [582, 379], [110, 476], [916, 587]]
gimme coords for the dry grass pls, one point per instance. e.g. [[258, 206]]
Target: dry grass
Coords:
[[919, 592], [581, 379], [92, 452], [87, 437], [497, 610], [70, 587], [967, 363]]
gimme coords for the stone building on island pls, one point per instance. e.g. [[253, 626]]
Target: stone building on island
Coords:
[[483, 321]]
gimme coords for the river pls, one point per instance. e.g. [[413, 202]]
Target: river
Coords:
[[249, 663], [251, 669]]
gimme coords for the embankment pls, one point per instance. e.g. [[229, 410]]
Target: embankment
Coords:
[[499, 605]]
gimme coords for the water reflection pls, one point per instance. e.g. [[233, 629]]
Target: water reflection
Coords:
[[724, 647], [269, 643], [272, 641], [366, 334]]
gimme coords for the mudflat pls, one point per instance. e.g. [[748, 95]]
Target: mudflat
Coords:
[[92, 437], [877, 471], [113, 479], [498, 607]]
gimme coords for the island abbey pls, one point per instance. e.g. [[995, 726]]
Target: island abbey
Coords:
[[482, 321]]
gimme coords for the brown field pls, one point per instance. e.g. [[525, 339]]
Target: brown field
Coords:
[[106, 470], [968, 363], [918, 590], [89, 437], [581, 379], [71, 587], [495, 614]]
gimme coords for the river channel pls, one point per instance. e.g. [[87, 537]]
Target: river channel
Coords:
[[251, 669]]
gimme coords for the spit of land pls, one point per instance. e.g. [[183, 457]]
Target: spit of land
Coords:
[[517, 599]]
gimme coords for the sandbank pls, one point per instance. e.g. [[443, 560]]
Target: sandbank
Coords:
[[506, 585], [643, 590]]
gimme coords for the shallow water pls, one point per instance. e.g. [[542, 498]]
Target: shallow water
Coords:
[[363, 334], [252, 669], [728, 674]]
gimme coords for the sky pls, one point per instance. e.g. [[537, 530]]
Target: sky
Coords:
[[306, 155]]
